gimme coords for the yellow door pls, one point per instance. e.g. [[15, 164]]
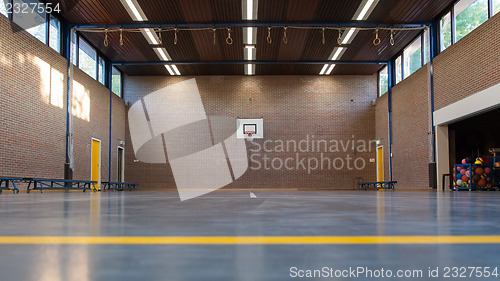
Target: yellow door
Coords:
[[96, 162], [380, 163]]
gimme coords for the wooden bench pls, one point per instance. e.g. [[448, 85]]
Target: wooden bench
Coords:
[[377, 185], [119, 186], [57, 184], [7, 183]]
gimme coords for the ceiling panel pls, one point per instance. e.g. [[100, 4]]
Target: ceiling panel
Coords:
[[302, 45]]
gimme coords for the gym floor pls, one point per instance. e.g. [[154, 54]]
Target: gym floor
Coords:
[[226, 235]]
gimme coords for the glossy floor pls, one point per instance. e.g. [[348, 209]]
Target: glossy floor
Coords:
[[146, 216]]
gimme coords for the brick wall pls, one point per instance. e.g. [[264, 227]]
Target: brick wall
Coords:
[[411, 141], [33, 97], [465, 68], [382, 130], [469, 66], [328, 108]]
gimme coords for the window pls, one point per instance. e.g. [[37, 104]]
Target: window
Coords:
[[412, 57], [102, 67], [3, 11], [427, 46], [34, 23], [55, 34], [399, 73], [383, 81], [445, 32], [74, 53], [116, 81], [496, 6], [469, 14], [87, 58]]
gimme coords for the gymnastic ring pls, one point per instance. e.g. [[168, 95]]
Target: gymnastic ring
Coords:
[[376, 41], [229, 40]]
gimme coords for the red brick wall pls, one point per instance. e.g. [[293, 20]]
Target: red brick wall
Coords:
[[411, 142], [33, 117], [382, 130], [292, 107], [465, 68], [469, 66]]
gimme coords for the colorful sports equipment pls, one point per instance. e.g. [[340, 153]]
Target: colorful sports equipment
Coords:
[[481, 183], [465, 179], [459, 168], [462, 172], [479, 161], [468, 160], [467, 173], [479, 171], [487, 170], [464, 161], [459, 182], [476, 178], [458, 176]]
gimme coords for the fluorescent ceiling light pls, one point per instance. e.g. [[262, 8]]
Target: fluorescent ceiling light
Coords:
[[169, 69], [250, 69], [134, 10], [337, 53], [175, 70], [162, 53], [250, 35], [330, 69], [348, 35], [367, 6], [249, 9], [323, 69], [250, 52], [151, 36]]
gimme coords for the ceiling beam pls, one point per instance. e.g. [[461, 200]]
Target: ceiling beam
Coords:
[[350, 24], [248, 62]]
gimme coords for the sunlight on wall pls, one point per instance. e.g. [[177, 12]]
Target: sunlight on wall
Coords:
[[81, 101], [44, 79], [51, 83], [56, 88]]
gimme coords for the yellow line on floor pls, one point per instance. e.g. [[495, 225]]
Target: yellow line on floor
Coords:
[[242, 240]]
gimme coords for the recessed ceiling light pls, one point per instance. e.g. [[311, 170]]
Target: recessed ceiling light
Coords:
[[330, 69], [250, 34], [162, 53], [323, 69], [250, 69], [151, 36], [250, 52], [249, 9], [169, 69], [348, 35], [176, 70], [337, 52], [134, 10], [365, 9]]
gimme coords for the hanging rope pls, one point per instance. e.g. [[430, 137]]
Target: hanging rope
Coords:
[[323, 36], [159, 37], [106, 42], [376, 41], [121, 37], [175, 36], [285, 39], [392, 38], [339, 40], [213, 30], [229, 40], [269, 39]]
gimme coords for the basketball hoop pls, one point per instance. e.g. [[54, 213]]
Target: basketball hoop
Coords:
[[249, 133]]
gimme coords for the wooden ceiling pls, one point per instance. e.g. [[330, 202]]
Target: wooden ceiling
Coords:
[[303, 44]]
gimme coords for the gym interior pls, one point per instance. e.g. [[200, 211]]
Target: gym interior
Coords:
[[249, 139]]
